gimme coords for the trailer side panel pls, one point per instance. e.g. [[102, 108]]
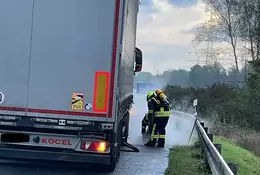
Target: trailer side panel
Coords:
[[126, 75]]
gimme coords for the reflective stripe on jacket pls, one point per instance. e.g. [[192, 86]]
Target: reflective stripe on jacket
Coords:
[[162, 112]]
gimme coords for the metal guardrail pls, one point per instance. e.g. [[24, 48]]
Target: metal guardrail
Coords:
[[213, 156], [216, 162]]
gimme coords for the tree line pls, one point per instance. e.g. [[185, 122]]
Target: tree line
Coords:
[[197, 76]]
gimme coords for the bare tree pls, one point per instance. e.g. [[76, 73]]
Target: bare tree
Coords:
[[250, 26], [223, 26]]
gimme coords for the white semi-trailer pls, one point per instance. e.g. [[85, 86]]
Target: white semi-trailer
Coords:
[[66, 79]]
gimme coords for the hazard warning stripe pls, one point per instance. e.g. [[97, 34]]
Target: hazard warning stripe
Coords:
[[100, 92]]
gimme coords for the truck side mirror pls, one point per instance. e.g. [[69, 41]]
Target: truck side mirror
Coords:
[[138, 60]]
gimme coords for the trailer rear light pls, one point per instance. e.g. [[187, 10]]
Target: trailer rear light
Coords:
[[97, 146]]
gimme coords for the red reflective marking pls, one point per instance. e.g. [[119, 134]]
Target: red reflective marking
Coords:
[[113, 67], [7, 108], [49, 111], [97, 74]]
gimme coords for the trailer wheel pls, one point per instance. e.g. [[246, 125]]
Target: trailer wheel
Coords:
[[118, 149], [113, 161], [112, 166], [118, 153]]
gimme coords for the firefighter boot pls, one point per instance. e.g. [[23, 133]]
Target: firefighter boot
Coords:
[[150, 143], [161, 143]]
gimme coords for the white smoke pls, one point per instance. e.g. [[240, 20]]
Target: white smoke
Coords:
[[179, 129]]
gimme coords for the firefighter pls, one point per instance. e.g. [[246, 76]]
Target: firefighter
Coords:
[[161, 113], [148, 118]]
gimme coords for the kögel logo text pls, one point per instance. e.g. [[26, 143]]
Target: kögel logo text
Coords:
[[51, 141]]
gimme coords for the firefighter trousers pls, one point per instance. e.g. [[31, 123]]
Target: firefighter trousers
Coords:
[[159, 131]]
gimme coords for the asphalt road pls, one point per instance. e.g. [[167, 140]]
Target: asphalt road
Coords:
[[150, 161]]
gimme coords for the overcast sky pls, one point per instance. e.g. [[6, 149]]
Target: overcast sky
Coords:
[[165, 33]]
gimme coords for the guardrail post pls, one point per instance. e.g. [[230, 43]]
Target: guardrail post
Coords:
[[206, 129], [233, 167], [218, 147], [210, 137]]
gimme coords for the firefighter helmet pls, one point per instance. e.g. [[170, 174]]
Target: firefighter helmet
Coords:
[[149, 95]]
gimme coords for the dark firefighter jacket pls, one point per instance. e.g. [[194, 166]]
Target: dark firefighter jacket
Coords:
[[157, 109]]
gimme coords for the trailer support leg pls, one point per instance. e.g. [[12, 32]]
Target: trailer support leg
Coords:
[[131, 147]]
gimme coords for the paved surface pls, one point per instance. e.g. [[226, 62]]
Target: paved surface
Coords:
[[149, 161]]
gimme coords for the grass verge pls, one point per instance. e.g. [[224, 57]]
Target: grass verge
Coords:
[[248, 163], [186, 160]]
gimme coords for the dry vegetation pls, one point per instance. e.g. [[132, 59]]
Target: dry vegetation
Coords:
[[246, 138]]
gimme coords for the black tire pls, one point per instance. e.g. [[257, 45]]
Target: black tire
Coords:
[[119, 139], [118, 151], [112, 166], [114, 159]]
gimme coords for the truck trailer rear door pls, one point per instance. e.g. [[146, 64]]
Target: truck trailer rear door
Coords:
[[59, 57], [72, 57], [15, 34]]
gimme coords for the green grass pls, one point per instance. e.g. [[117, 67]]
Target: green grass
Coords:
[[186, 160], [248, 163]]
